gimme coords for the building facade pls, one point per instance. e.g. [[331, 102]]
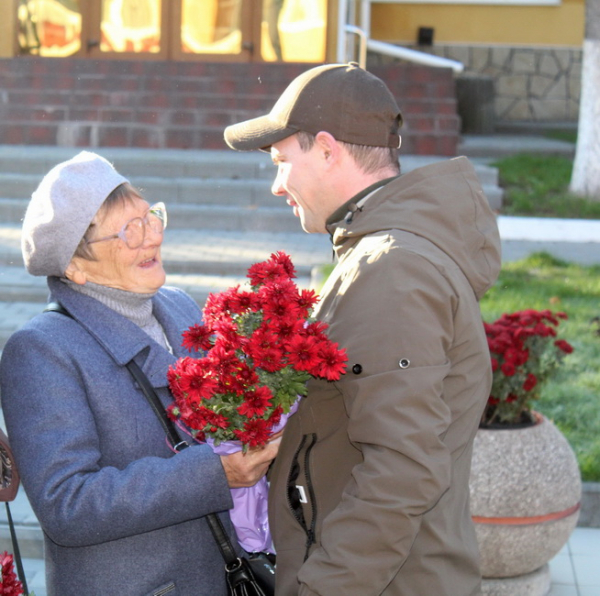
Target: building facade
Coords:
[[522, 63]]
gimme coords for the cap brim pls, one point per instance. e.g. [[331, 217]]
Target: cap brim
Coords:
[[258, 133]]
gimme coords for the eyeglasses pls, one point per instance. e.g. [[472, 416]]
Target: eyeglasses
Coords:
[[133, 232]]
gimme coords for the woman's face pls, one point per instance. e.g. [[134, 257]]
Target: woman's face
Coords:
[[118, 266]]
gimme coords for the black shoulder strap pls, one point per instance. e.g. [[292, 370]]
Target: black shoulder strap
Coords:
[[223, 542], [156, 405], [16, 550]]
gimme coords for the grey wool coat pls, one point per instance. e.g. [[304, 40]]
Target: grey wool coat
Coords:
[[121, 513]]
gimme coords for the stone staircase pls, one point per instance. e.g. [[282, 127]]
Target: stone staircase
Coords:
[[222, 217]]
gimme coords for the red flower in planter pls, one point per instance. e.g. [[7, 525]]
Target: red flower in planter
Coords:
[[523, 356]]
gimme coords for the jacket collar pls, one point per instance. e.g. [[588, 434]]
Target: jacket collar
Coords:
[[349, 208]]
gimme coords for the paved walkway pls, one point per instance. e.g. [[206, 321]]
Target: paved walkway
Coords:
[[575, 570]]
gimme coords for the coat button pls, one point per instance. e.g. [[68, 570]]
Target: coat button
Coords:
[[357, 369], [404, 363]]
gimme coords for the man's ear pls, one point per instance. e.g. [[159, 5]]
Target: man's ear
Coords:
[[74, 273], [329, 147]]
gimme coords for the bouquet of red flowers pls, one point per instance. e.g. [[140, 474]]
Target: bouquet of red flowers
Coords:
[[261, 346]]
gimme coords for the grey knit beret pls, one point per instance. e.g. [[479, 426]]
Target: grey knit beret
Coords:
[[61, 210]]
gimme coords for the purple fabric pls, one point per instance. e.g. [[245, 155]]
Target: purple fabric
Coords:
[[249, 514]]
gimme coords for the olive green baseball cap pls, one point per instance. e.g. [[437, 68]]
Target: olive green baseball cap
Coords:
[[344, 100]]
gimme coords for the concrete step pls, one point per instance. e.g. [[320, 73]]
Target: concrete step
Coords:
[[267, 213], [211, 177], [493, 147], [228, 217], [171, 190], [196, 251], [175, 163], [31, 163]]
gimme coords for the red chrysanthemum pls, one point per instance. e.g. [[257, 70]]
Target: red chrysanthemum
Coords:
[[286, 328], [228, 336], [264, 338], [197, 338], [523, 355], [307, 301], [563, 345], [278, 267], [280, 299], [530, 382], [270, 359], [333, 362], [256, 402], [316, 329], [275, 417], [304, 353], [255, 432], [508, 368], [195, 381]]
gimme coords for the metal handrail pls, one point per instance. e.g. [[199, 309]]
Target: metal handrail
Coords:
[[362, 43], [366, 43], [413, 55]]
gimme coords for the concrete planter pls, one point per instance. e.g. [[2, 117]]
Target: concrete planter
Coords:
[[525, 499]]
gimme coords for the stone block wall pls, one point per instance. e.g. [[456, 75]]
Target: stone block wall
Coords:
[[531, 84], [118, 103]]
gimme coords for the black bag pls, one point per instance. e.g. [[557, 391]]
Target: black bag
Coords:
[[246, 576], [244, 579]]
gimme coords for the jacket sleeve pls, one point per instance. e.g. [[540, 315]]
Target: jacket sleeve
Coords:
[[81, 495], [398, 419]]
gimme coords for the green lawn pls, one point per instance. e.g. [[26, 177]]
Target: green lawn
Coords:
[[537, 185]]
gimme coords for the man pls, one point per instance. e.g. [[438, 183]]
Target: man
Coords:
[[370, 489]]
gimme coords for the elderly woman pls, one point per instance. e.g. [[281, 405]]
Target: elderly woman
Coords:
[[121, 512]]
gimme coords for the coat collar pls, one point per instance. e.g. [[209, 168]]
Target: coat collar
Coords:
[[122, 339]]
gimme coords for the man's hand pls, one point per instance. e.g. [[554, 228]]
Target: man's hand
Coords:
[[246, 469]]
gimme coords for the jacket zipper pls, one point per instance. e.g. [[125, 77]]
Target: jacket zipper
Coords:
[[292, 479], [310, 533]]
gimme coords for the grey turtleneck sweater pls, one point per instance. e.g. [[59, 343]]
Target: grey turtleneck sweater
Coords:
[[133, 306]]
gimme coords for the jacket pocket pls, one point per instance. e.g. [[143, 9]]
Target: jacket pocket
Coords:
[[169, 589]]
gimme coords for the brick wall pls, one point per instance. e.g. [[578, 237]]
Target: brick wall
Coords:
[[106, 103]]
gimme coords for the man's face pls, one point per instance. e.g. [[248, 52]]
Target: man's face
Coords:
[[301, 179]]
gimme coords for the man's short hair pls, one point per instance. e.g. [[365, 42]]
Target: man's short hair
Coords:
[[369, 159]]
